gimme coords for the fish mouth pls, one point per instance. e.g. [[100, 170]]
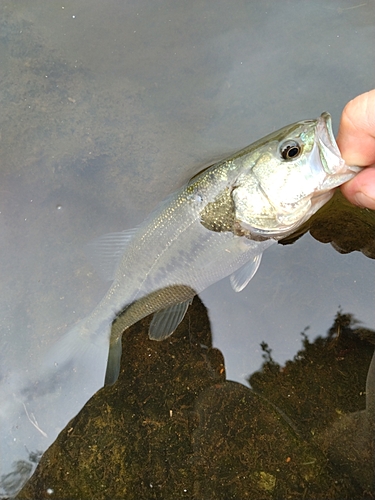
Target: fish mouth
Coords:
[[333, 164], [325, 132]]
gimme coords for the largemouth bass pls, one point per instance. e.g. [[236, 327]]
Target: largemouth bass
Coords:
[[217, 225]]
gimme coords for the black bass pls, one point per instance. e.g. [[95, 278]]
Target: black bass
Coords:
[[217, 225]]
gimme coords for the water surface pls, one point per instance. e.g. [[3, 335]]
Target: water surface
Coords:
[[107, 108]]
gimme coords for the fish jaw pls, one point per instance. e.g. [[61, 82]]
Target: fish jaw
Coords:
[[337, 171], [327, 158]]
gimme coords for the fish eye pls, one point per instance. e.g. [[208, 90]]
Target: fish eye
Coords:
[[290, 150]]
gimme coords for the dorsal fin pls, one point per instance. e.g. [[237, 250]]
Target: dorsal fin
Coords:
[[106, 251]]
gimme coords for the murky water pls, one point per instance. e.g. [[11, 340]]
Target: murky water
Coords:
[[108, 107]]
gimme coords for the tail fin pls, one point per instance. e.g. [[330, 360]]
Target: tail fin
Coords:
[[78, 351], [37, 405], [114, 362]]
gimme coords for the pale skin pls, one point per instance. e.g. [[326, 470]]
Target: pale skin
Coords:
[[356, 140]]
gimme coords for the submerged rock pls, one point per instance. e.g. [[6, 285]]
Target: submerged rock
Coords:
[[346, 227], [174, 427]]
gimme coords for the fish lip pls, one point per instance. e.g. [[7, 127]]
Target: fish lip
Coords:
[[327, 144], [334, 165], [326, 121]]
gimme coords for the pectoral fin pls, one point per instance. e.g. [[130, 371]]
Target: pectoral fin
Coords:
[[244, 274], [165, 321]]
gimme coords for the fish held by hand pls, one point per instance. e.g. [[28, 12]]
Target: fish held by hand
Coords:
[[217, 225]]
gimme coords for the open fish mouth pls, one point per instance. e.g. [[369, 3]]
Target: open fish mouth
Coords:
[[333, 164], [325, 132]]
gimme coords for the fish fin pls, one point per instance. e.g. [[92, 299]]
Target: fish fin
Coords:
[[114, 362], [165, 321], [240, 278], [75, 354], [106, 251], [37, 403]]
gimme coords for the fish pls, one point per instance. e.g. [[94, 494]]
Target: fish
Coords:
[[217, 225]]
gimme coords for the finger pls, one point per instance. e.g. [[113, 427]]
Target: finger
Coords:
[[356, 137], [361, 189]]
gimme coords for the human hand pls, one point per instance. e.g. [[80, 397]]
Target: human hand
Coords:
[[356, 141]]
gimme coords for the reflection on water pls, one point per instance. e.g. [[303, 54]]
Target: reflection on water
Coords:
[[173, 426], [346, 227]]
